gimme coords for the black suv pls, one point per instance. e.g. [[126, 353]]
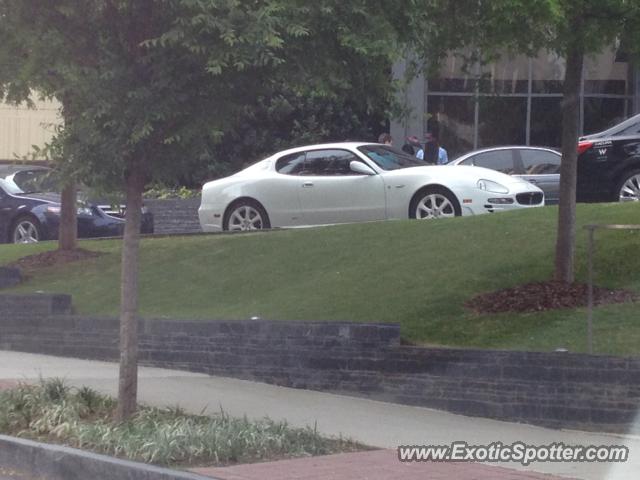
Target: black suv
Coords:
[[609, 164]]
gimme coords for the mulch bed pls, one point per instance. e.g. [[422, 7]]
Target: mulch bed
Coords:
[[52, 258], [540, 296]]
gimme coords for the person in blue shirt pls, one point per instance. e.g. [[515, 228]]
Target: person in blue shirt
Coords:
[[433, 152]]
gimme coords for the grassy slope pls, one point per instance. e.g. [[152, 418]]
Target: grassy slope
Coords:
[[415, 273]]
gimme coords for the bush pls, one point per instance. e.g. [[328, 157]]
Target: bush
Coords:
[[83, 418]]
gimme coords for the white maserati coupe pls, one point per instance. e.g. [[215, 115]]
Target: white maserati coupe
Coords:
[[354, 182]]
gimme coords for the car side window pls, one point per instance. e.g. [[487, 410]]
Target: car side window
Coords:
[[468, 161], [329, 163], [540, 162], [500, 160], [292, 164]]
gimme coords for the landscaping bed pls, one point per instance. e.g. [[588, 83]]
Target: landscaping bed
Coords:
[[82, 418]]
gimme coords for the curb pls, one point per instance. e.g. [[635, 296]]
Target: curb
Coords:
[[54, 462]]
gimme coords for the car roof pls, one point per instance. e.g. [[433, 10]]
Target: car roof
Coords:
[[319, 146], [9, 169], [505, 147]]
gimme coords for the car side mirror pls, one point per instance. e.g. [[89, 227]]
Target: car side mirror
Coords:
[[361, 168]]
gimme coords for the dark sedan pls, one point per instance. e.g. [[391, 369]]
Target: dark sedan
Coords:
[[28, 216]]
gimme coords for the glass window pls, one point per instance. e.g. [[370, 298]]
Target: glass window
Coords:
[[9, 187], [454, 75], [539, 162], [546, 122], [547, 73], [389, 158], [502, 121], [291, 164], [602, 113], [328, 163], [452, 119], [604, 74], [500, 160], [31, 181], [510, 74]]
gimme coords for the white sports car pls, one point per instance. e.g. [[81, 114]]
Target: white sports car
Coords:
[[354, 182]]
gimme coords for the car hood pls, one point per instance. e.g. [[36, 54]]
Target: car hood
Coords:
[[456, 172], [47, 197]]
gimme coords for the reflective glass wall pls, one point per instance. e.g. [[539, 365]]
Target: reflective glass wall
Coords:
[[517, 101]]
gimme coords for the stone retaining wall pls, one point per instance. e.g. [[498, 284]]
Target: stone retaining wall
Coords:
[[552, 389], [175, 215]]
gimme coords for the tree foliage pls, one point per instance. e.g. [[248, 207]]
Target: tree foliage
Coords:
[[480, 31], [149, 85]]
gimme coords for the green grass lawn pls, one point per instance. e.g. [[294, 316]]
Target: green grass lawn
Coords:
[[417, 274]]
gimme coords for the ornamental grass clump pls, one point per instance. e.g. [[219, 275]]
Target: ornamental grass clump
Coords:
[[82, 418]]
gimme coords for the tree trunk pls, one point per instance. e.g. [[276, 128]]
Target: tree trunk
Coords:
[[68, 232], [565, 241], [128, 380]]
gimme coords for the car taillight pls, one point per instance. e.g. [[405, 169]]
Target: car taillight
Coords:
[[584, 146]]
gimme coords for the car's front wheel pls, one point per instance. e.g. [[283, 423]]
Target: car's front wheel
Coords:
[[434, 202], [246, 215], [25, 230], [629, 187]]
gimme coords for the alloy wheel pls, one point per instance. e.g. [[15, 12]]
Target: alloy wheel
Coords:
[[26, 232], [434, 205], [244, 218], [630, 190]]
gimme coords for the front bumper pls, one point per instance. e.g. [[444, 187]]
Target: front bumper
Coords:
[[488, 202]]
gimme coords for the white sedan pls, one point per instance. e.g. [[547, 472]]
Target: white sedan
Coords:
[[354, 182]]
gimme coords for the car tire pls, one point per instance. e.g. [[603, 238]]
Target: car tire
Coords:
[[25, 229], [434, 202], [245, 215], [628, 188]]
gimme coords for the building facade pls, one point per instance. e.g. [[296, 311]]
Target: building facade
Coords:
[[515, 101], [22, 127]]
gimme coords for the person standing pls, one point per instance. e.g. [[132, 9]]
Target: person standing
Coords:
[[431, 149], [442, 156], [413, 147], [386, 139]]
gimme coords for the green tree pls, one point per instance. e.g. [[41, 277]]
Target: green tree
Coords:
[[149, 84], [483, 30]]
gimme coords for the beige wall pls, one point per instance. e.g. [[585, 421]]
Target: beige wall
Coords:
[[22, 127]]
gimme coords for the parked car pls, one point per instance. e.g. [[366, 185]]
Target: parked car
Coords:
[[30, 210], [609, 164], [537, 165], [354, 182]]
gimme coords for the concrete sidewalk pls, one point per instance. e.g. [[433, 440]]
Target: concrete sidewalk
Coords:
[[374, 423]]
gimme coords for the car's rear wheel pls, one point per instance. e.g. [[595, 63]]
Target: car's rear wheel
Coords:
[[244, 215], [434, 202], [629, 187], [26, 230]]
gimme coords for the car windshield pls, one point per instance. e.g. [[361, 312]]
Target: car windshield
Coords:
[[388, 158], [10, 187], [31, 181]]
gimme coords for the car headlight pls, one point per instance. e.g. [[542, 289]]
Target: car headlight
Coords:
[[493, 187], [53, 209], [82, 210]]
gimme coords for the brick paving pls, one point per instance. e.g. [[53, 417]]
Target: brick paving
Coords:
[[372, 465]]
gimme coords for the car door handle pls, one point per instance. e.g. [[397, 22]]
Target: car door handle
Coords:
[[532, 181], [307, 184]]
